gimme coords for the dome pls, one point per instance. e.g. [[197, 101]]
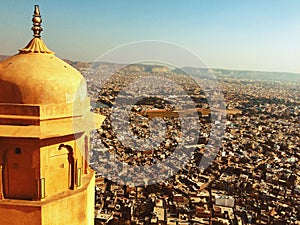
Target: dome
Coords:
[[36, 76], [39, 78]]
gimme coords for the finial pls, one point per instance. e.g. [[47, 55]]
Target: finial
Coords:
[[36, 45], [37, 20]]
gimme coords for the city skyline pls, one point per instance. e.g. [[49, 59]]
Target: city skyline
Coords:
[[248, 35]]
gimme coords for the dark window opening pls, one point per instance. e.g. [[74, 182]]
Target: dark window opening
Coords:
[[18, 151]]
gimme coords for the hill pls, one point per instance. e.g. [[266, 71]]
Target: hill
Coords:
[[2, 57], [201, 72], [245, 74]]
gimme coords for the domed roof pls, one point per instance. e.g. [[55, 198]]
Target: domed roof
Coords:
[[39, 79], [37, 76]]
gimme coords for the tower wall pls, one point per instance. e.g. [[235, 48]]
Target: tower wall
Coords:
[[16, 214], [72, 207], [56, 164], [75, 209], [20, 164]]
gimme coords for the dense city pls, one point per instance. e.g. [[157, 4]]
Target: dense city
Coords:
[[253, 178]]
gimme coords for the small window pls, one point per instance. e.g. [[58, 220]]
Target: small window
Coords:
[[18, 151]]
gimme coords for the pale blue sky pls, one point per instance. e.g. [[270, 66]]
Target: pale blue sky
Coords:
[[233, 34]]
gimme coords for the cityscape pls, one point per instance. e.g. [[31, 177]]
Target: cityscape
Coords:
[[254, 178]]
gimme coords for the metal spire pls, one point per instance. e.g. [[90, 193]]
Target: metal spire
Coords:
[[37, 20], [36, 45]]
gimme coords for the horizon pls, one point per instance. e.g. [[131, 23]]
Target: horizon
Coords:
[[230, 35], [213, 68]]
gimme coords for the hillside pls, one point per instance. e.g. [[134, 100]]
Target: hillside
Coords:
[[219, 73], [244, 74], [2, 57]]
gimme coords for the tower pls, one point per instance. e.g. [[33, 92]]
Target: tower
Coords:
[[45, 121]]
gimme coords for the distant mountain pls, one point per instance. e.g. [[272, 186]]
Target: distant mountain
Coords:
[[202, 72], [78, 64], [2, 57], [244, 74]]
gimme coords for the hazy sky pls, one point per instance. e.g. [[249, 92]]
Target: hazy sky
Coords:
[[233, 34]]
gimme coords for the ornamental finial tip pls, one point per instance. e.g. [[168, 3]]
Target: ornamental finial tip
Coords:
[[37, 20]]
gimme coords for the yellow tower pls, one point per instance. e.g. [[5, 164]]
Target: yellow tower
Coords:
[[44, 139]]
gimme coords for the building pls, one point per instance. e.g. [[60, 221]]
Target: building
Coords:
[[45, 121], [227, 201]]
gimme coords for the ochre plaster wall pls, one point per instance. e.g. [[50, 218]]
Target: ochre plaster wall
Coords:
[[62, 209], [19, 171], [72, 210], [20, 215]]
